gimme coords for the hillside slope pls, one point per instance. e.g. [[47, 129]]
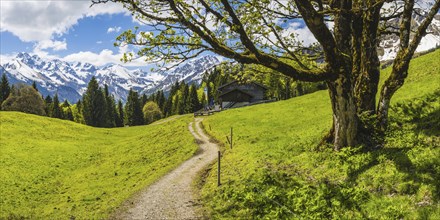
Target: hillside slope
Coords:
[[54, 169], [275, 171]]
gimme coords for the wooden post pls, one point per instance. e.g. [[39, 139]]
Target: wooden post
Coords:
[[231, 138], [218, 170]]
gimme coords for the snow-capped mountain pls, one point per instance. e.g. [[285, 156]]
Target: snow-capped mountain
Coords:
[[188, 72], [70, 80], [389, 44]]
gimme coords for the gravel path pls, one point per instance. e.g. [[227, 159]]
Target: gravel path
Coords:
[[172, 196]]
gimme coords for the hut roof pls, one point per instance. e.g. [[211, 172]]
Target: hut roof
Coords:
[[236, 90], [236, 82]]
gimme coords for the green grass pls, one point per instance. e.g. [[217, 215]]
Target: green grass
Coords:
[[275, 171], [54, 169]]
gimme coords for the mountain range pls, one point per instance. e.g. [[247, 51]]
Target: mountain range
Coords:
[[69, 80]]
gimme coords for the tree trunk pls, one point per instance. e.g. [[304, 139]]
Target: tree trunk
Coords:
[[383, 107], [345, 120], [391, 85]]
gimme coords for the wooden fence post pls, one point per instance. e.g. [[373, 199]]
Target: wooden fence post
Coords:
[[218, 170], [231, 138]]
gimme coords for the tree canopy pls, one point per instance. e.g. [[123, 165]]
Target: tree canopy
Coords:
[[262, 32], [26, 99], [151, 112]]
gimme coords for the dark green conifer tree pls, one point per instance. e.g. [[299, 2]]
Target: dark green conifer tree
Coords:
[[167, 109], [144, 99], [110, 108], [133, 109], [55, 108], [79, 105], [93, 105], [194, 103], [119, 120], [34, 85], [48, 105], [174, 88], [161, 100], [185, 101], [5, 90], [68, 115], [65, 104]]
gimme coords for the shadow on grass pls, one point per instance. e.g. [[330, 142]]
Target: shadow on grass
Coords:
[[414, 125], [422, 113]]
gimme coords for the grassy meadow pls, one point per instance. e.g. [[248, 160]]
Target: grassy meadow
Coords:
[[55, 169], [276, 171]]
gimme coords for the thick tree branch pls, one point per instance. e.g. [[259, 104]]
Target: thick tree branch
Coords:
[[238, 26], [315, 23]]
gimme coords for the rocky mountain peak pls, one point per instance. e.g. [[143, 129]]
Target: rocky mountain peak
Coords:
[[70, 80]]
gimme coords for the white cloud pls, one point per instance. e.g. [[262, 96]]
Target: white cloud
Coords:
[[44, 54], [113, 29], [104, 57], [99, 42], [41, 20], [5, 58], [303, 33], [49, 44]]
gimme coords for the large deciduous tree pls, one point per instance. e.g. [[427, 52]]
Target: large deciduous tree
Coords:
[[151, 112], [260, 32], [24, 98]]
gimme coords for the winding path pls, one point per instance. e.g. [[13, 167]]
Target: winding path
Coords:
[[172, 196]]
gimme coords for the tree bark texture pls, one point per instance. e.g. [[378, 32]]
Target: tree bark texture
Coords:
[[345, 120]]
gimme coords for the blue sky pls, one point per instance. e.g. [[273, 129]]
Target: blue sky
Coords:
[[68, 30], [90, 34]]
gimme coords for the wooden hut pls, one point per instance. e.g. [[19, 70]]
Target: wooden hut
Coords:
[[235, 94]]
